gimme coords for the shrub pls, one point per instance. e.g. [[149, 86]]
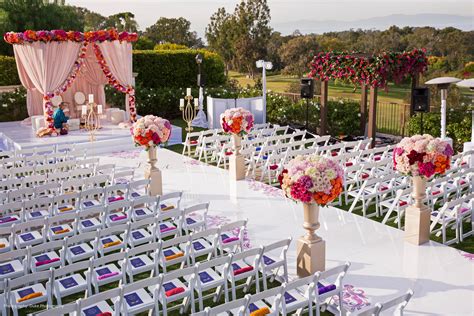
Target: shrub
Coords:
[[169, 46], [13, 105], [343, 115], [8, 71], [143, 43], [176, 68]]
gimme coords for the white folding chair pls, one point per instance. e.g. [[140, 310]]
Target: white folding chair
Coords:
[[109, 240], [244, 266], [64, 203], [138, 189], [80, 247], [61, 226], [92, 197], [204, 243], [138, 232], [271, 262], [45, 256], [29, 290], [13, 264], [125, 176], [171, 200], [195, 217], [117, 213], [107, 270], [28, 233], [141, 259], [170, 252], [100, 304], [211, 275], [231, 236], [135, 299], [71, 279], [172, 288], [144, 207]]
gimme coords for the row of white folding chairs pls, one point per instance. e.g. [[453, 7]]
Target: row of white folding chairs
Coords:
[[389, 192], [453, 185], [308, 294], [55, 149], [159, 291], [47, 169], [37, 160], [152, 258], [375, 190], [134, 239], [463, 158], [452, 215], [355, 175], [51, 201], [38, 224], [99, 185], [193, 140]]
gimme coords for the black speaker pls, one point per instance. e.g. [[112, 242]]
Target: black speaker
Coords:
[[420, 100], [201, 80], [307, 88]]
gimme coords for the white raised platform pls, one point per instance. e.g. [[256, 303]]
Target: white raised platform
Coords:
[[110, 138], [382, 264]]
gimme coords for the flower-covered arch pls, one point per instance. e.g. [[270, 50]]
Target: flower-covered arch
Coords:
[[373, 71], [49, 62]]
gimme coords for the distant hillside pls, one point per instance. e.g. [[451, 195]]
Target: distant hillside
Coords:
[[465, 23]]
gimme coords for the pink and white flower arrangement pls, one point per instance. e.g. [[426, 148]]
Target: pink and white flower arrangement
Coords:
[[237, 121], [422, 155], [312, 179], [150, 131]]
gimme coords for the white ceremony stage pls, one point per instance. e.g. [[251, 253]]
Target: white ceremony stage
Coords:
[[16, 136], [382, 264]]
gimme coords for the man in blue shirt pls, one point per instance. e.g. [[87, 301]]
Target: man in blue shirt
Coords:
[[60, 119]]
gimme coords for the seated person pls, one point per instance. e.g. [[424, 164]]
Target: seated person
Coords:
[[60, 119]]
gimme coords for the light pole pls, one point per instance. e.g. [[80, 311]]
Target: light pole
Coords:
[[469, 83], [200, 120], [443, 83], [265, 65]]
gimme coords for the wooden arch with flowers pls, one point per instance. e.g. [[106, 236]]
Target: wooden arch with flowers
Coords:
[[49, 62], [367, 71]]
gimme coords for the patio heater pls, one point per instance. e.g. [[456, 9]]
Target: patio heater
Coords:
[[443, 83], [265, 65], [469, 83], [200, 120]]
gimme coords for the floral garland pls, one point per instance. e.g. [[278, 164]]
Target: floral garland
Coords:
[[116, 84], [373, 71], [48, 104], [30, 36]]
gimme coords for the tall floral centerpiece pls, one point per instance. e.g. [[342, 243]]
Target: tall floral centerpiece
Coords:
[[421, 157], [237, 122], [315, 181], [149, 132]]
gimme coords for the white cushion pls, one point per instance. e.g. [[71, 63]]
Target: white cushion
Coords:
[[74, 124], [117, 117]]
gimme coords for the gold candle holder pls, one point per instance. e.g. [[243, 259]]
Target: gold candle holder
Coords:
[[92, 122], [189, 111]]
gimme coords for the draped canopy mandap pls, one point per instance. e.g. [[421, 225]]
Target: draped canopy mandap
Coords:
[[57, 62]]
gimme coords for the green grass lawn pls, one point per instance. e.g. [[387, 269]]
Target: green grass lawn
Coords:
[[281, 83]]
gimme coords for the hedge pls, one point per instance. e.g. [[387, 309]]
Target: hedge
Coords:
[[8, 71], [177, 69]]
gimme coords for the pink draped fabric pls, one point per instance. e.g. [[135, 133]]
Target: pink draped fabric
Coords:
[[118, 56], [91, 80], [39, 68]]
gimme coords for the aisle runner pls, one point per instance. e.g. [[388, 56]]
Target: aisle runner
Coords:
[[266, 189]]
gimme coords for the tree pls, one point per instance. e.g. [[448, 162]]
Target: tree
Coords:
[[22, 15], [242, 37], [220, 36], [124, 21], [92, 21], [143, 43], [252, 33], [171, 30], [297, 53]]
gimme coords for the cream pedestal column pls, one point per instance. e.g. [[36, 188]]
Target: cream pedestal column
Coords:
[[311, 249], [417, 216], [236, 161], [154, 174]]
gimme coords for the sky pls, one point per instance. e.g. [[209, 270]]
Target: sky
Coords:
[[282, 12]]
